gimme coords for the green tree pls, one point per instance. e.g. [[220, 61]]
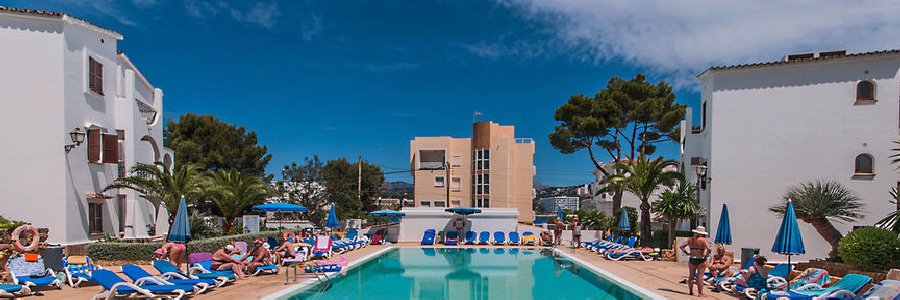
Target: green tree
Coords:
[[215, 145], [593, 219], [641, 178], [161, 185], [676, 205], [303, 184], [817, 203], [625, 119], [234, 193], [342, 183], [892, 220]]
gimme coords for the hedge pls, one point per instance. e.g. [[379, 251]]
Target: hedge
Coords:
[[870, 249], [144, 251]]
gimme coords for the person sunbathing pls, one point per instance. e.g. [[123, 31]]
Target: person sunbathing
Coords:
[[260, 256], [222, 261], [755, 276], [173, 252], [720, 263], [289, 250], [546, 238]]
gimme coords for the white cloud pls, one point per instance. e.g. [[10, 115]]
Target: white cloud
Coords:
[[264, 14], [678, 39]]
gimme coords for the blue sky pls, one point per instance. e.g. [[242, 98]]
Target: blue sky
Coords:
[[348, 78]]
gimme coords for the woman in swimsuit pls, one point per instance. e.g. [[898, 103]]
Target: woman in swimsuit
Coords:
[[173, 252], [699, 252], [756, 275]]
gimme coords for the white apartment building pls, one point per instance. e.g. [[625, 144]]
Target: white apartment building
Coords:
[[551, 204], [64, 81], [767, 126]]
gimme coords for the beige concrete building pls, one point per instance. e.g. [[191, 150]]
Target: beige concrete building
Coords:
[[491, 169]]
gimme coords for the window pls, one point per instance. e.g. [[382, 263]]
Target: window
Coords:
[[865, 91], [95, 218], [93, 145], [110, 148], [483, 202], [456, 160], [122, 210], [95, 76], [864, 165], [440, 204], [703, 116], [455, 183], [425, 203], [122, 169], [438, 181], [431, 159], [455, 203]]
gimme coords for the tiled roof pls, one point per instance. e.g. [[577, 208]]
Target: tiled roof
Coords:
[[800, 61], [49, 14]]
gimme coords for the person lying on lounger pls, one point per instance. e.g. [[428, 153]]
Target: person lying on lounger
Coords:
[[288, 249], [222, 260], [755, 276]]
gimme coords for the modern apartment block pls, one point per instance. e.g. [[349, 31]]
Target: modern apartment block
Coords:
[[551, 204], [492, 169], [764, 127], [82, 115]]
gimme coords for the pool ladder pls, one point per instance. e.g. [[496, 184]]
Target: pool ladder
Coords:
[[326, 282]]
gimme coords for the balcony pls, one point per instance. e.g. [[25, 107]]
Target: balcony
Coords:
[[431, 159], [524, 141]]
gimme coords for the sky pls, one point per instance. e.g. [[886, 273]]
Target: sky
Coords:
[[349, 78]]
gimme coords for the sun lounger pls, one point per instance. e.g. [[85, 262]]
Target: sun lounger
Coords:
[[13, 290], [775, 279], [376, 238], [428, 237], [600, 247], [809, 276], [29, 270], [322, 246], [499, 238], [850, 283], [141, 277], [470, 237], [514, 238], [484, 237], [114, 287], [886, 289], [168, 271], [528, 238], [241, 247], [451, 238], [201, 263], [645, 254], [78, 269]]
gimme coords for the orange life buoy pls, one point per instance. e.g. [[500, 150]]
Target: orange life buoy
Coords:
[[17, 233], [458, 223]]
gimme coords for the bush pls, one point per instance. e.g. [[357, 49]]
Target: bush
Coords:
[[144, 251], [9, 224], [660, 236], [870, 248]]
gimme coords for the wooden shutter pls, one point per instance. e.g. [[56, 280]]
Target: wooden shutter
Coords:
[[110, 148], [95, 76], [93, 144]]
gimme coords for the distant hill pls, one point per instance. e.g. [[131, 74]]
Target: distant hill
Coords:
[[398, 188], [553, 191]]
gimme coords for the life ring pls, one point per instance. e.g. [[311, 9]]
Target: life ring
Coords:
[[458, 223], [17, 233]]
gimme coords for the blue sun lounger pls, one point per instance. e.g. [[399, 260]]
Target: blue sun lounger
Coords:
[[168, 271], [499, 238], [141, 277], [514, 238], [428, 237], [484, 237], [470, 237], [13, 290], [452, 238], [31, 273], [114, 286], [852, 282]]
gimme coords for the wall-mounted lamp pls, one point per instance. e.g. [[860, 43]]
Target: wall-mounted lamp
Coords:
[[702, 171], [77, 137]]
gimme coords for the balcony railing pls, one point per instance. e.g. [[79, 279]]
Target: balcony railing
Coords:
[[524, 140]]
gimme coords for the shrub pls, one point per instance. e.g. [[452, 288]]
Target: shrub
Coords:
[[144, 251], [660, 237], [9, 224], [870, 248]]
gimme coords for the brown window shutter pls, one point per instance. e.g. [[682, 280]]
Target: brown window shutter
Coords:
[[93, 144], [110, 148]]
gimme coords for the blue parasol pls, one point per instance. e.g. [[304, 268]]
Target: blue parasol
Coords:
[[723, 232], [279, 207], [181, 226], [393, 214], [789, 241], [624, 225], [332, 218]]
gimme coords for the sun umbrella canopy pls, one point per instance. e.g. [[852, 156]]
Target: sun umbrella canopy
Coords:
[[386, 213], [559, 214], [723, 232], [181, 227], [332, 218], [624, 225], [789, 241], [279, 207], [462, 210]]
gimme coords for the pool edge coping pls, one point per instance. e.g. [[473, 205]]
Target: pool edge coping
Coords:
[[610, 276], [300, 285]]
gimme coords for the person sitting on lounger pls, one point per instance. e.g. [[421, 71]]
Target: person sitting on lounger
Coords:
[[222, 261], [260, 256], [546, 238], [755, 276], [720, 262], [173, 252]]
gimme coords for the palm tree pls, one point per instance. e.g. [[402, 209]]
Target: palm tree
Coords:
[[818, 203], [892, 221], [641, 178], [592, 219], [233, 193], [161, 185], [677, 204]]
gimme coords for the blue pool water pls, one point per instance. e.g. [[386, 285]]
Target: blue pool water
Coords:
[[467, 273]]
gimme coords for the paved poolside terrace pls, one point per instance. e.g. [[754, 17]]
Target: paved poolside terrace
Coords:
[[659, 277]]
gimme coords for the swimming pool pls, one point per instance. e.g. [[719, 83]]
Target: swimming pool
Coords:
[[469, 273]]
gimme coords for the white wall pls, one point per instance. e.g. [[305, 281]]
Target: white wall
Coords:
[[770, 128], [418, 219]]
